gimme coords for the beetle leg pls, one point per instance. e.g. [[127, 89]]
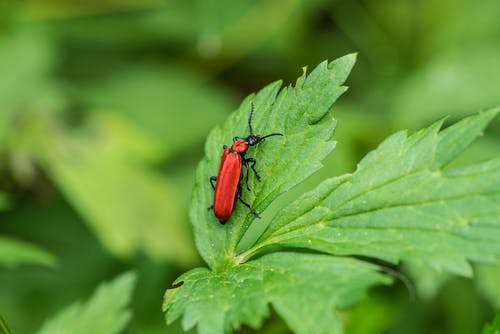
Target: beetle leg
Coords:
[[247, 166], [238, 196], [253, 161], [212, 179], [245, 163]]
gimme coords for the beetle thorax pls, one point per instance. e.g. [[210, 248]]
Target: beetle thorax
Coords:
[[240, 146]]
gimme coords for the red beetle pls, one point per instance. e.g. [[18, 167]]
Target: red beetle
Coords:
[[228, 187]]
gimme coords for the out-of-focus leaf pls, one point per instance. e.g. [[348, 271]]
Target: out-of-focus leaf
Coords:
[[15, 252], [372, 315], [55, 9], [452, 83], [170, 104], [212, 20], [4, 201], [128, 27], [105, 312], [104, 171], [427, 280], [444, 29], [488, 281], [220, 24], [223, 23], [494, 327], [81, 263], [25, 61], [122, 139], [3, 326], [359, 25]]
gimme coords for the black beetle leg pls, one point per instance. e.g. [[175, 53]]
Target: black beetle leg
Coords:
[[212, 179], [238, 196], [253, 161], [247, 166]]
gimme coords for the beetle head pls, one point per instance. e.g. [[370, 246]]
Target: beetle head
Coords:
[[255, 139]]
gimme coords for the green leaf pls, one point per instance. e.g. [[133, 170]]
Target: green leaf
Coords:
[[105, 312], [292, 283], [302, 114], [428, 281], [494, 327], [165, 102], [400, 205], [487, 278], [26, 59], [437, 87], [3, 327], [15, 252], [105, 172], [375, 314], [4, 201]]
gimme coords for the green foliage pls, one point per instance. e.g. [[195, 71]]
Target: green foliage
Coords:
[[105, 105], [427, 280], [117, 153], [302, 114], [105, 312], [401, 204], [291, 282], [494, 327], [3, 327], [440, 85], [20, 85], [4, 201], [15, 252], [160, 91], [399, 199], [487, 278]]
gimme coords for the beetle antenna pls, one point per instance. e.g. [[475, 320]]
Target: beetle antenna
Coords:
[[272, 134], [250, 118]]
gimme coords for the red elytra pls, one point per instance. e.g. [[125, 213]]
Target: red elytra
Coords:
[[228, 186], [228, 180]]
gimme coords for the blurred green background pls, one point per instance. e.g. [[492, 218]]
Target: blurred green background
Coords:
[[105, 105]]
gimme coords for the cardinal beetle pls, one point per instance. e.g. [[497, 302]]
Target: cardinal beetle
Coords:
[[228, 186]]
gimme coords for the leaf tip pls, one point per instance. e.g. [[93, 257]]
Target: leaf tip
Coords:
[[490, 113], [346, 61], [129, 277], [353, 56], [342, 67], [169, 294]]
